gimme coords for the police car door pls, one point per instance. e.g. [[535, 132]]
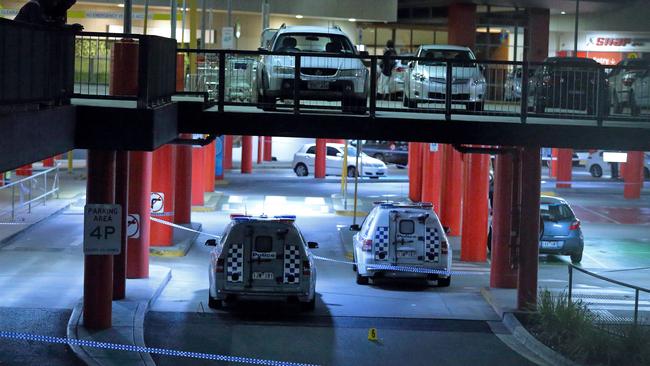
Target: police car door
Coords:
[[406, 232]]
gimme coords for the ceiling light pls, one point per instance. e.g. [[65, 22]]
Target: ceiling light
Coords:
[[120, 5], [352, 19], [563, 12], [298, 16]]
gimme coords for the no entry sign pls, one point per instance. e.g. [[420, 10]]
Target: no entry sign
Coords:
[[102, 228]]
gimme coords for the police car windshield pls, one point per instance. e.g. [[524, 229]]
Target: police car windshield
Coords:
[[309, 42]]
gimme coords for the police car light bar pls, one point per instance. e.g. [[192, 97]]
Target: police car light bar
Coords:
[[240, 217], [290, 218]]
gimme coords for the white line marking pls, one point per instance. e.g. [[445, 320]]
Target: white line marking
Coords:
[[599, 214], [595, 260]]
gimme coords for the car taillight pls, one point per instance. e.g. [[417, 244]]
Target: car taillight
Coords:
[[575, 225], [400, 69], [306, 268], [444, 247], [220, 265], [367, 245]]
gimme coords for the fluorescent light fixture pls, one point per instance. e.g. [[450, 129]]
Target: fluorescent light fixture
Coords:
[[563, 12], [352, 19], [614, 157], [120, 5], [298, 16]]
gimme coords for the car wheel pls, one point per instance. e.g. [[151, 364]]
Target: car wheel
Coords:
[[214, 303], [360, 106], [309, 305], [352, 172], [301, 170], [539, 107], [444, 282], [408, 103], [475, 107], [576, 257], [379, 156], [361, 280], [596, 171], [618, 107]]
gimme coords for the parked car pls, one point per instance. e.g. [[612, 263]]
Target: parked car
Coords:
[[561, 233], [427, 78], [396, 81], [401, 234], [512, 88], [262, 257], [572, 83], [390, 152], [304, 162], [621, 80], [640, 93], [597, 166], [325, 77], [547, 157]]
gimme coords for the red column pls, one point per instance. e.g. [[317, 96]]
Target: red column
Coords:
[[502, 274], [452, 192], [24, 171], [552, 168], [183, 184], [180, 72], [432, 174], [538, 34], [246, 154], [124, 68], [529, 228], [633, 175], [321, 155], [137, 254], [198, 181], [564, 168], [227, 152], [260, 149], [98, 269], [475, 208], [162, 195], [122, 199], [208, 163], [268, 148], [462, 25], [415, 171], [49, 162]]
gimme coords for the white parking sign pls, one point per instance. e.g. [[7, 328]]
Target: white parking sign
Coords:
[[102, 229]]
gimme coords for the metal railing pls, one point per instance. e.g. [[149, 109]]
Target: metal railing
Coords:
[[36, 64], [28, 191], [618, 298], [155, 67], [352, 83]]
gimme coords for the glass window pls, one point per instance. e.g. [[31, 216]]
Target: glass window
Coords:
[[442, 37], [407, 227], [445, 55], [556, 212], [402, 38], [368, 36], [383, 36], [302, 42], [311, 150], [421, 37], [332, 151], [263, 244]]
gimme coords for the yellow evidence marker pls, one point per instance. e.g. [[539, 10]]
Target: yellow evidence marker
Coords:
[[372, 334]]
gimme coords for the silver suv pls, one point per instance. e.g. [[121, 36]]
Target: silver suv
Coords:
[[326, 77]]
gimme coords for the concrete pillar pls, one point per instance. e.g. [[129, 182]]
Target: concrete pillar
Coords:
[[180, 72], [198, 181], [122, 199], [320, 159], [564, 168], [24, 171], [183, 184], [137, 258], [209, 162], [268, 148], [633, 175], [552, 167], [529, 228], [98, 269], [124, 68], [162, 194], [475, 208], [260, 149], [246, 154], [432, 174], [452, 189], [227, 152], [538, 34], [502, 273], [415, 171], [462, 25]]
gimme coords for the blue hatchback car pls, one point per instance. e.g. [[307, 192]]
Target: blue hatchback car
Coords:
[[560, 232]]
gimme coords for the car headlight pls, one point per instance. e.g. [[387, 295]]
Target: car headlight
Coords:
[[480, 81], [418, 76], [283, 70], [351, 73]]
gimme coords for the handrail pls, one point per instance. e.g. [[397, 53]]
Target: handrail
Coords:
[[42, 172], [46, 192]]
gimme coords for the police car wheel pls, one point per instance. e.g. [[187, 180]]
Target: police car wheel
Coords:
[[361, 280], [214, 303], [444, 282], [309, 305]]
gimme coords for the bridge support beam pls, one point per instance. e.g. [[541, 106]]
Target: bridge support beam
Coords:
[[529, 228], [564, 168], [432, 174], [502, 272], [209, 163], [227, 152], [198, 181], [162, 194], [183, 191], [98, 269], [452, 189], [268, 148], [321, 158], [633, 175], [137, 258], [415, 171], [475, 208], [246, 154], [122, 199]]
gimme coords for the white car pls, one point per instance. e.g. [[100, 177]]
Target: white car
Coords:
[[262, 257], [304, 160], [427, 80], [395, 82], [598, 167], [402, 240], [325, 77]]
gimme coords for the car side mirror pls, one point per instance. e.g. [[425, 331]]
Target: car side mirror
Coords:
[[211, 243], [339, 155], [355, 227], [312, 245], [411, 64], [364, 54], [446, 229]]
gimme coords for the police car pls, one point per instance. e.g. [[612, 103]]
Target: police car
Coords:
[[402, 240], [262, 258]]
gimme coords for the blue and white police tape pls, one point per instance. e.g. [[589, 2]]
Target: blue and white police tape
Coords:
[[183, 228], [411, 269], [158, 351]]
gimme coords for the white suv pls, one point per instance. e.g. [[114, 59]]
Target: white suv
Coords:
[[402, 240], [325, 77]]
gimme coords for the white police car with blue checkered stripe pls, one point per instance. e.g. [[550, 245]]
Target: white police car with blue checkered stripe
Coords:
[[262, 257], [396, 235]]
